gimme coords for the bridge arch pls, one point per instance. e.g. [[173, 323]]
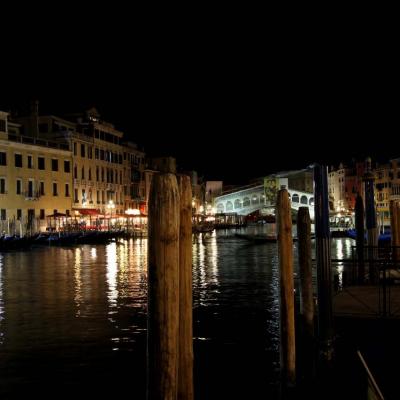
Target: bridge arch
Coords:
[[295, 198], [229, 206], [238, 204], [246, 202], [255, 199], [303, 199], [220, 208], [311, 201]]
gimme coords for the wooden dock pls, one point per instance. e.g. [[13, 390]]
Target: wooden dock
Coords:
[[366, 302]]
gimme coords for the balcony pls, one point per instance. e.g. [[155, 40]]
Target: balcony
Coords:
[[38, 142], [31, 196]]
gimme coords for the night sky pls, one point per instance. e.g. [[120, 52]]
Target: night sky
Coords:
[[231, 104]]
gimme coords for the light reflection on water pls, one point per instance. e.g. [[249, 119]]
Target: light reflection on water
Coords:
[[85, 309]]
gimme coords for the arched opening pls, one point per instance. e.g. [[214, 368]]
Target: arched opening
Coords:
[[238, 203], [255, 200], [311, 201], [295, 198], [229, 206], [220, 208], [303, 200], [246, 202]]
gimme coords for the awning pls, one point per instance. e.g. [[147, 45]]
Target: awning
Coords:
[[56, 215], [87, 211]]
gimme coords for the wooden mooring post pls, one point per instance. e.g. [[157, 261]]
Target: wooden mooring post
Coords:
[[163, 287], [394, 228], [323, 257], [370, 220], [185, 364], [360, 238], [305, 269], [285, 251]]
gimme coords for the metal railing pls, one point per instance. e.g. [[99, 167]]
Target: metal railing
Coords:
[[379, 267], [38, 142]]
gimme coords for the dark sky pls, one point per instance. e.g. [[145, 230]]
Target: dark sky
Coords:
[[230, 102]]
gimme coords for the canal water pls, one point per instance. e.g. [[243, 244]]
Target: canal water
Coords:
[[73, 320]]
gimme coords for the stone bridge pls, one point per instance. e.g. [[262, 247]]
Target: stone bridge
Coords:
[[248, 199]]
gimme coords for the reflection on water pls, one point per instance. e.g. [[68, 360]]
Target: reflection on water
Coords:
[[77, 317]]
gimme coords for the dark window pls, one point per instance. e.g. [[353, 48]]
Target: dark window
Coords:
[[97, 174], [2, 125], [66, 190], [3, 158], [18, 160], [82, 150], [83, 172], [75, 145], [67, 213], [41, 188], [101, 154], [3, 214], [19, 213], [41, 164], [76, 200], [96, 153], [90, 174], [54, 164], [55, 189], [30, 162], [90, 152], [75, 172], [67, 166], [41, 213], [2, 186], [19, 186], [30, 188]]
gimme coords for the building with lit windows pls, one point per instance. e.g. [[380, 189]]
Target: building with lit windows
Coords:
[[75, 165], [107, 172], [35, 176]]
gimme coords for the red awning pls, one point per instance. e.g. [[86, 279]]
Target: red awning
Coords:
[[87, 211]]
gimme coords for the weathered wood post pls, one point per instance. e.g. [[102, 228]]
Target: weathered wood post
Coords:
[[185, 365], [370, 219], [285, 250], [163, 287], [360, 238], [394, 228], [397, 225], [305, 269], [323, 257]]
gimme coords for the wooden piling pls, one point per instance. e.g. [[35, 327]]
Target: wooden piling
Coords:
[[305, 269], [323, 256], [360, 238], [163, 288], [370, 221], [285, 250], [185, 364], [393, 226], [397, 225]]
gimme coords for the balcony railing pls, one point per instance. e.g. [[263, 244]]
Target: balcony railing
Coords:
[[38, 142]]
